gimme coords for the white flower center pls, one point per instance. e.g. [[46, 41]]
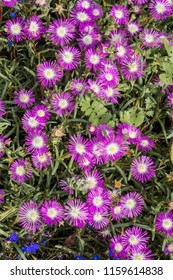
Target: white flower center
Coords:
[[117, 209], [87, 39], [49, 73], [142, 168], [61, 31], [119, 14], [109, 92], [160, 8], [112, 149], [41, 113], [80, 149], [1, 146], [38, 142], [24, 98], [68, 57], [133, 67], [170, 247], [85, 4], [94, 59], [15, 29], [42, 158], [75, 212], [33, 27], [63, 103], [20, 171], [130, 203], [109, 77], [95, 88], [138, 257], [121, 51], [32, 122], [98, 201], [81, 16], [118, 247], [97, 217], [144, 143], [133, 240], [52, 213], [149, 38], [167, 224], [79, 86], [133, 28], [132, 134], [96, 12], [32, 215], [91, 182]]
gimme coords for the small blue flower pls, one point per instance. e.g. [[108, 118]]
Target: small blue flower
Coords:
[[43, 242], [32, 248], [79, 258], [23, 249], [13, 15], [14, 237], [116, 259], [10, 43], [96, 257]]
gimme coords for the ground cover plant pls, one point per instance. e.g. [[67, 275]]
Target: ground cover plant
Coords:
[[86, 153]]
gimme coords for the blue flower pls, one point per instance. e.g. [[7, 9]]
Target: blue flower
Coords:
[[32, 248], [23, 249], [79, 258], [14, 237], [13, 15], [43, 242], [10, 43], [96, 257]]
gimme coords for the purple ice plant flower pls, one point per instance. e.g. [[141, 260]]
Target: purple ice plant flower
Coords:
[[168, 248], [122, 50], [133, 28], [143, 169], [29, 216], [84, 5], [160, 9], [9, 3], [145, 143], [41, 160], [34, 28], [52, 212], [120, 13], [118, 36], [98, 199], [99, 219], [117, 212], [87, 39], [36, 142], [109, 76], [93, 180], [133, 67], [41, 112], [2, 196], [149, 37], [78, 86], [94, 59], [78, 17], [15, 29], [24, 98], [95, 86], [49, 73], [20, 170], [69, 58], [2, 109], [97, 149], [76, 212], [142, 253], [134, 237], [79, 147], [61, 32], [133, 134], [96, 12], [110, 94], [114, 148], [62, 103], [164, 223], [87, 162], [132, 204], [30, 122], [117, 246]]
